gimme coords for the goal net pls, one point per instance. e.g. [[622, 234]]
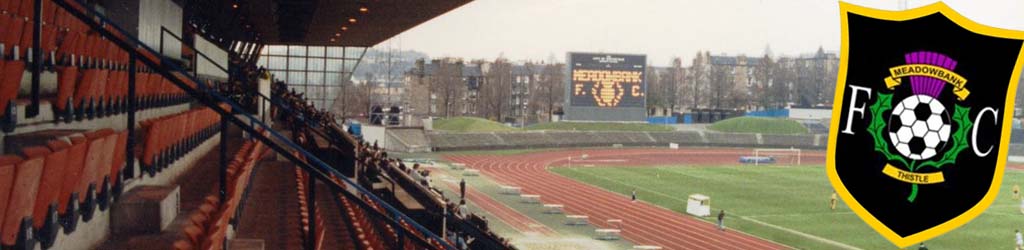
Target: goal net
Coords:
[[781, 156]]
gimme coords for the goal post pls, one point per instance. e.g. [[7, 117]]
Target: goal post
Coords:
[[792, 154]]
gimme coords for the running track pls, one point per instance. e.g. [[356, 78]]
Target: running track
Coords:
[[643, 223]]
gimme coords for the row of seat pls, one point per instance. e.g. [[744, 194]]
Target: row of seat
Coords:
[[301, 178], [364, 230], [208, 226], [88, 93], [167, 138], [51, 186], [64, 39], [92, 76]]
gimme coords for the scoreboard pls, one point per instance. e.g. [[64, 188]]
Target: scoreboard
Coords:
[[605, 80], [606, 87]]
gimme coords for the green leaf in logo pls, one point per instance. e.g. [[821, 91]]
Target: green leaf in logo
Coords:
[[878, 125]]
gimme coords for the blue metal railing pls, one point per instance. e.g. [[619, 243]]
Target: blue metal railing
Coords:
[[175, 74]]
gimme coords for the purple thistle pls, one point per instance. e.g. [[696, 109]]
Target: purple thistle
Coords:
[[926, 85]]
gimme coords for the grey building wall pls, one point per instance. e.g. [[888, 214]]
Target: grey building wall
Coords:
[[143, 18]]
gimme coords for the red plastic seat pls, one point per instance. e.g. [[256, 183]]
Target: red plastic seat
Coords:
[[99, 87], [93, 161], [104, 153], [23, 196], [7, 173], [63, 189], [75, 170], [84, 91], [152, 148], [10, 81], [12, 34], [120, 151], [112, 90], [67, 80], [49, 183]]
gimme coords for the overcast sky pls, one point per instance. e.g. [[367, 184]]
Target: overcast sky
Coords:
[[662, 29]]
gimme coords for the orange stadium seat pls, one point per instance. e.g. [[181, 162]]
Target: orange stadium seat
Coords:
[[17, 221], [10, 81], [48, 200], [67, 79], [7, 174], [105, 163], [12, 36], [118, 162], [67, 195]]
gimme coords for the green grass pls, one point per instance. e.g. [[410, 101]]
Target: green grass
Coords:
[[793, 198], [758, 125], [469, 124], [599, 126]]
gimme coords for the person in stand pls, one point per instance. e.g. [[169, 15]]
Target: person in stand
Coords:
[[721, 220], [463, 209], [634, 195]]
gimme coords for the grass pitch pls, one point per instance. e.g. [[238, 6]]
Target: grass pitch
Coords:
[[470, 124], [758, 125], [789, 205]]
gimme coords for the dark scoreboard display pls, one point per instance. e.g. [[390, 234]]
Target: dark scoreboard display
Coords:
[[607, 80]]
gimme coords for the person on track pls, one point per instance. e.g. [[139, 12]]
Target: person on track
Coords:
[[721, 220]]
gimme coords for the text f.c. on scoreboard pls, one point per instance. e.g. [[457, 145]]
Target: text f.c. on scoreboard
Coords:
[[607, 87]]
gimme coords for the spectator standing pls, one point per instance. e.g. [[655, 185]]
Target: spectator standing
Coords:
[[721, 220], [462, 188]]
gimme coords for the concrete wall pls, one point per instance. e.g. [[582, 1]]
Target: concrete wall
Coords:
[[810, 114], [373, 133], [605, 114], [154, 14], [218, 56]]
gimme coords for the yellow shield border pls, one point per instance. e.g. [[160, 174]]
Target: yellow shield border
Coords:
[[938, 7]]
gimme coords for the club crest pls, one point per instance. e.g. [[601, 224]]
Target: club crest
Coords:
[[921, 121]]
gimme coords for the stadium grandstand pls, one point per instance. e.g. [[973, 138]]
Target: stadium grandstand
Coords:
[[149, 125]]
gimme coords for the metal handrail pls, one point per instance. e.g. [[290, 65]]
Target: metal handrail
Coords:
[[318, 168]]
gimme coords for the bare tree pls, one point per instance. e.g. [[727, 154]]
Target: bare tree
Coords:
[[655, 98], [699, 78], [550, 88], [495, 94], [672, 81], [722, 81], [763, 75], [448, 83]]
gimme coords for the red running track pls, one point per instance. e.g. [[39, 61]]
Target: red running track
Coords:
[[643, 223], [511, 217]]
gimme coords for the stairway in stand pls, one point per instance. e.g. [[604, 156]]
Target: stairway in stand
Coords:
[[337, 236], [272, 213]]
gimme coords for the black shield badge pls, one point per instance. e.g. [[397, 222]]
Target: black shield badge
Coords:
[[921, 123]]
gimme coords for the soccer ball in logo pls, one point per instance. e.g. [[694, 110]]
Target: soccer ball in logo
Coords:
[[919, 126]]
